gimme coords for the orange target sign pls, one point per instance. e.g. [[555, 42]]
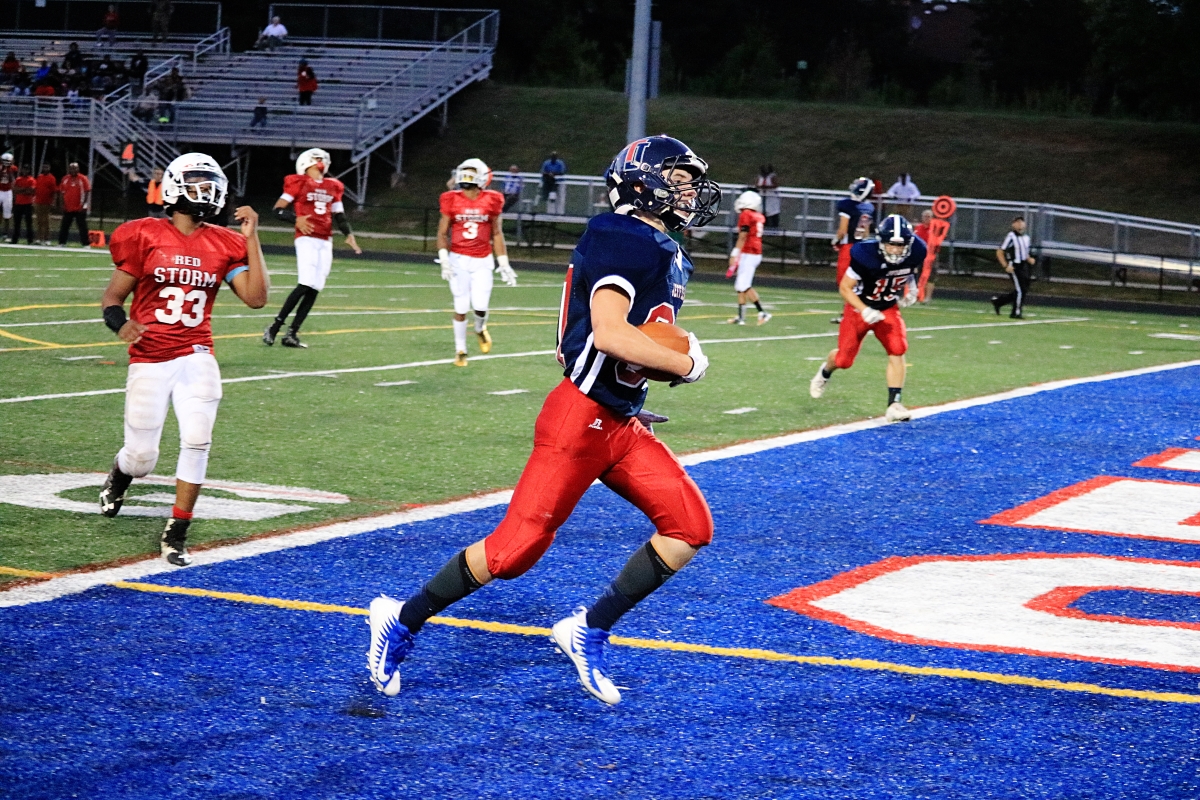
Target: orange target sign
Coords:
[[944, 207]]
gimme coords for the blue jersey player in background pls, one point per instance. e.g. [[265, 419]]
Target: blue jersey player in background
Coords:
[[626, 271], [855, 223], [881, 279]]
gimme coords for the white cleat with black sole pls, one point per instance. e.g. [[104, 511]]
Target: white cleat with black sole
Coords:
[[897, 413]]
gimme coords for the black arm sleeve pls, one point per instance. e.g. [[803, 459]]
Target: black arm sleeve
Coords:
[[114, 318], [286, 214], [340, 219]]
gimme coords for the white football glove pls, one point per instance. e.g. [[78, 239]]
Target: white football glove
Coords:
[[444, 260], [910, 295], [506, 272], [871, 315], [699, 362]]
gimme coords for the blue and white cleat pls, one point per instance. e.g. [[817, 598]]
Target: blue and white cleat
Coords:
[[390, 644], [585, 647]]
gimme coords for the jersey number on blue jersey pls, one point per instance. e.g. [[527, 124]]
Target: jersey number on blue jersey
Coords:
[[888, 289]]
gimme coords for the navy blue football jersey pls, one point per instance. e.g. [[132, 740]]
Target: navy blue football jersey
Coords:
[[644, 263], [862, 219], [881, 284]]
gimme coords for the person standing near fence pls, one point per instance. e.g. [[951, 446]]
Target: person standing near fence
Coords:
[[513, 183], [160, 20], [23, 191], [76, 193], [553, 168], [1015, 256], [768, 187], [8, 176], [108, 30], [43, 198]]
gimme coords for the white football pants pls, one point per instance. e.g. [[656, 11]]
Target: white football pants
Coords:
[[471, 282], [6, 204], [747, 264], [193, 384], [314, 259]]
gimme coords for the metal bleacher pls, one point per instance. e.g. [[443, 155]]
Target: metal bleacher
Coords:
[[380, 69]]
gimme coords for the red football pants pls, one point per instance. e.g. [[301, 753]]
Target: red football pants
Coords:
[[575, 441], [890, 332], [843, 262]]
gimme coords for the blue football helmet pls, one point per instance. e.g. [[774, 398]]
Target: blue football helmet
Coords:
[[861, 189], [636, 182], [895, 231]]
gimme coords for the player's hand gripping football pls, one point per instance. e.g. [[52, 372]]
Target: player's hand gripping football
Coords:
[[131, 331], [699, 362], [871, 315], [350, 240], [248, 217]]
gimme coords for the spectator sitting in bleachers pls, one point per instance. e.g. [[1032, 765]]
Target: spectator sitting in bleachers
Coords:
[[10, 67], [44, 89], [108, 30], [21, 83], [171, 90], [272, 36], [260, 114], [42, 72], [73, 60]]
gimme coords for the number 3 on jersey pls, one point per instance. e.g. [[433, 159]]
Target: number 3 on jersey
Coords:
[[174, 311], [470, 230]]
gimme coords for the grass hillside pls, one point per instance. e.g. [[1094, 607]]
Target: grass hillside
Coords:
[[1131, 167]]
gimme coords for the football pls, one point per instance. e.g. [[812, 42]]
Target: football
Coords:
[[670, 336]]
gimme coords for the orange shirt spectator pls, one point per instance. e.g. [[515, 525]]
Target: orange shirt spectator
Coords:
[[47, 187], [73, 188], [26, 187], [44, 90]]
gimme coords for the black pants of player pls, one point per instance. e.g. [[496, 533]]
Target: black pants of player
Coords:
[[80, 219], [22, 212], [1016, 298], [305, 98], [305, 296]]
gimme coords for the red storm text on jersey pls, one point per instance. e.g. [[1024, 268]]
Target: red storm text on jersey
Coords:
[[752, 222], [177, 280], [317, 200], [471, 221]]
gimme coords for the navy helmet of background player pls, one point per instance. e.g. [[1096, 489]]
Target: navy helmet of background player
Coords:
[[625, 272], [881, 278]]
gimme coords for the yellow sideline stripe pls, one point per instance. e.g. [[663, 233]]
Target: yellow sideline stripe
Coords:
[[118, 342], [26, 573], [750, 653]]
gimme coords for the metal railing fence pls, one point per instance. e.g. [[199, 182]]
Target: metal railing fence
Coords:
[[374, 23]]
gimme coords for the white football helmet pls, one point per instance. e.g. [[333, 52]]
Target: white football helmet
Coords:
[[6, 159], [315, 157], [748, 199], [194, 184], [472, 172]]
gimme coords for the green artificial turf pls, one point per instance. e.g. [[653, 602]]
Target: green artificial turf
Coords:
[[445, 435]]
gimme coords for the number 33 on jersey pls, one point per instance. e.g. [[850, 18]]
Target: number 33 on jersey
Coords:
[[177, 281]]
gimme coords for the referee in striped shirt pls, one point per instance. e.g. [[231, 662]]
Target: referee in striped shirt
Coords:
[[1016, 259]]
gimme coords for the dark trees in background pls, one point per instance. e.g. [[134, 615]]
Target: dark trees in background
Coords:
[[1124, 57]]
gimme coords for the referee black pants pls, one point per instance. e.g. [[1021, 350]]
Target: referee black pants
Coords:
[[80, 220], [1016, 298]]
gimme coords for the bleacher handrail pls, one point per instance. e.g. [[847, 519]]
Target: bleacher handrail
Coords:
[[217, 42], [459, 42]]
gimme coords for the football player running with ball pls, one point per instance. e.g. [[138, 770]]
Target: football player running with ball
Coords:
[[626, 271], [880, 280], [174, 268], [747, 254], [313, 204], [468, 234]]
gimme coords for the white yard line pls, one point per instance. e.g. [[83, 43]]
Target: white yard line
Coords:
[[529, 353], [270, 316], [80, 582]]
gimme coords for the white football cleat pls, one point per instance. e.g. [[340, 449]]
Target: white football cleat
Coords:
[[897, 413], [816, 387], [763, 316], [390, 644], [585, 647]]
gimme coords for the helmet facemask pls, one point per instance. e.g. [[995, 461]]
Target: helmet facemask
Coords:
[[199, 193], [687, 204]]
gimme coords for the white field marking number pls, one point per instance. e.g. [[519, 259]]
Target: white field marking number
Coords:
[[174, 311]]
